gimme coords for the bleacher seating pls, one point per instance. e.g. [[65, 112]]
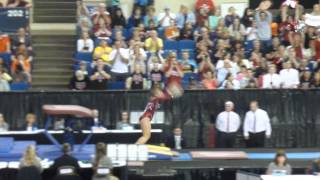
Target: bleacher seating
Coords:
[[19, 86], [81, 56]]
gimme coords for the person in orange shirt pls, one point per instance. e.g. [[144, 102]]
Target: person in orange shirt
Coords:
[[172, 32], [22, 60], [4, 43], [209, 82]]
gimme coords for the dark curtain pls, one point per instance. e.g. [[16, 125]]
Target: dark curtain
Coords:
[[294, 114], [308, 4]]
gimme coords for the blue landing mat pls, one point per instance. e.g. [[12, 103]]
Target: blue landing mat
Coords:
[[308, 155]]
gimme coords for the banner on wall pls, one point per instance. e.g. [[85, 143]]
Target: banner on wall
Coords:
[[11, 19]]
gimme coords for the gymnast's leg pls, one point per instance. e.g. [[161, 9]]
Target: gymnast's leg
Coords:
[[145, 124]]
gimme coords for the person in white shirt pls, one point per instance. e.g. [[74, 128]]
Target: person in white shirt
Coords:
[[165, 17], [256, 126], [85, 44], [120, 67], [289, 76], [227, 124], [271, 80]]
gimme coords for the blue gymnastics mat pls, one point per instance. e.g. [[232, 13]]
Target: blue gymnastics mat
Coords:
[[307, 155]]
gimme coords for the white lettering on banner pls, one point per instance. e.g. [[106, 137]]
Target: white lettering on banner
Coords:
[[15, 13]]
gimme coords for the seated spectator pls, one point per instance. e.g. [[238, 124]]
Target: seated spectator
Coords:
[[186, 32], [19, 76], [231, 16], [316, 80], [103, 52], [205, 64], [214, 18], [280, 165], [100, 76], [101, 16], [205, 39], [230, 82], [137, 55], [156, 75], [271, 80], [84, 25], [4, 126], [136, 18], [3, 66], [85, 44], [306, 79], [83, 68], [289, 76], [189, 65], [165, 17], [185, 16], [101, 160], [124, 123], [79, 81], [193, 84], [172, 32], [237, 29], [150, 18], [203, 8], [66, 160], [18, 4], [248, 17], [97, 123], [30, 122], [22, 49], [209, 82], [118, 19], [137, 80], [4, 43], [315, 168], [21, 38], [4, 84], [101, 31], [154, 44], [23, 61], [120, 58], [173, 70], [30, 158], [176, 140]]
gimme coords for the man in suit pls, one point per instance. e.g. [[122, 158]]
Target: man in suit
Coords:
[[176, 141], [65, 160]]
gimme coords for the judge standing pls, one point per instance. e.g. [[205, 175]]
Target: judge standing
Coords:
[[227, 124], [257, 126]]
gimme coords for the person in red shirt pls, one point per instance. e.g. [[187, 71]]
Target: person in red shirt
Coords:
[[203, 8], [209, 82], [4, 43], [173, 70], [317, 47]]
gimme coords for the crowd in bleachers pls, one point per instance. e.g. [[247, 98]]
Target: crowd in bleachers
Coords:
[[15, 60], [197, 46]]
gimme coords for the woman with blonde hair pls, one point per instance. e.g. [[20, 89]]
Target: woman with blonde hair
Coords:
[[30, 158]]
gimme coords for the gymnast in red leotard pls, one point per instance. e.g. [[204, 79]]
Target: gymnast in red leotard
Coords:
[[158, 96]]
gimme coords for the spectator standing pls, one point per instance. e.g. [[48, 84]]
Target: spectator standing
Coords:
[[165, 17], [137, 56], [280, 165], [237, 29], [4, 126], [150, 18], [271, 80], [264, 20], [102, 14], [154, 44], [173, 70], [256, 126], [80, 81], [83, 14], [227, 123], [214, 18], [124, 123], [156, 75], [184, 17], [118, 19], [203, 8], [30, 158], [85, 44], [120, 67], [231, 16], [248, 17], [136, 18], [102, 31], [103, 52], [176, 140], [289, 76], [23, 61]]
